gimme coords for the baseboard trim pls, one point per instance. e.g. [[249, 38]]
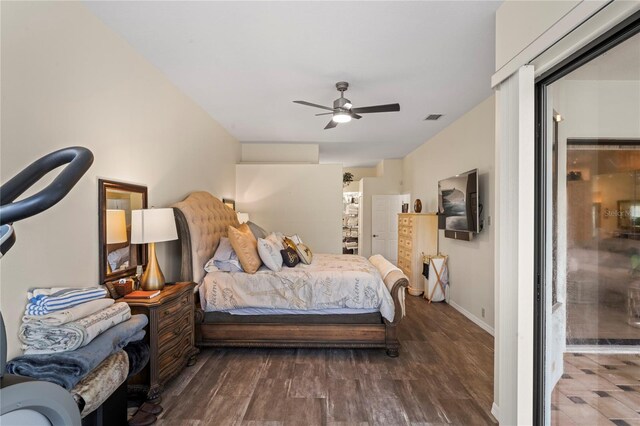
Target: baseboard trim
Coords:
[[495, 411], [483, 325]]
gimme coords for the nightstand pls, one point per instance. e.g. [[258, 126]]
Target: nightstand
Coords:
[[170, 335]]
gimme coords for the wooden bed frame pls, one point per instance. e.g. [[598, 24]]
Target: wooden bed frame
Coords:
[[201, 220]]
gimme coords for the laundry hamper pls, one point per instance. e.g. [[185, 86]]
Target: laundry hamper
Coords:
[[436, 278]]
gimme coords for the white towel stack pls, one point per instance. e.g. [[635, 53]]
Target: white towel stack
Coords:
[[352, 209]]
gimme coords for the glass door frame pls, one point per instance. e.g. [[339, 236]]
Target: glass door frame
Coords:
[[618, 34]]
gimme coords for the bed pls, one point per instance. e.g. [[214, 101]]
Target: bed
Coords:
[[202, 220]]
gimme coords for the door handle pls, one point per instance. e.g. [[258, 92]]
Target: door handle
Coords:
[[375, 235]]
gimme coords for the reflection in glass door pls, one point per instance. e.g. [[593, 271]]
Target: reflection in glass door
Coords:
[[603, 241], [591, 239]]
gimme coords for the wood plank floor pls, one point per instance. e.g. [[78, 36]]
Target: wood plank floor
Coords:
[[444, 375]]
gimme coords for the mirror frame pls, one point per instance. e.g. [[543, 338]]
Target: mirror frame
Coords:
[[103, 186]]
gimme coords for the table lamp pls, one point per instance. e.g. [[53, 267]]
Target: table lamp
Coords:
[[116, 229], [150, 226]]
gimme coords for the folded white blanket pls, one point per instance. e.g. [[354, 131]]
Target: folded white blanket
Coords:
[[38, 339], [383, 265], [67, 315], [351, 209], [385, 268]]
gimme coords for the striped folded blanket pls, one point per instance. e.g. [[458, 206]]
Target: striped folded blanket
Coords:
[[39, 339], [46, 301]]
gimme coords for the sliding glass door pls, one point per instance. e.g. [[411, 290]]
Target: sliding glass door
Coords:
[[589, 235]]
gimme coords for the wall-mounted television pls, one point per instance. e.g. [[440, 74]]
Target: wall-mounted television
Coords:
[[458, 202]]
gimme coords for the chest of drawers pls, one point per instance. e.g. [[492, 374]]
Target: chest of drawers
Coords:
[[417, 235]]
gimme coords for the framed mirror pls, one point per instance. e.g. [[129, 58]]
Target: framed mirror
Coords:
[[116, 200]]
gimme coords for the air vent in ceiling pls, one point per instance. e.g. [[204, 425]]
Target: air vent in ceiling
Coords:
[[433, 117]]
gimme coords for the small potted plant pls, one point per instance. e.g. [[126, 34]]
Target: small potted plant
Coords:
[[347, 178]]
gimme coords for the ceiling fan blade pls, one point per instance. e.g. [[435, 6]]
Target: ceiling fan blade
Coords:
[[312, 105], [324, 113], [356, 116], [330, 125], [377, 108]]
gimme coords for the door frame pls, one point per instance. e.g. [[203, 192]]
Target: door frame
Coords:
[[618, 34]]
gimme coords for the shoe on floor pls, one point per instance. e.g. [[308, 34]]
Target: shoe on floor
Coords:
[[142, 419], [151, 408]]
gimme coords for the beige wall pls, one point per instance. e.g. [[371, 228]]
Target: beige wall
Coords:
[[519, 23], [303, 199], [606, 109], [280, 153], [358, 173], [466, 144], [388, 181], [69, 80], [597, 108]]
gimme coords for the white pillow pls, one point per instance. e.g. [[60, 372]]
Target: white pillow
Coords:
[[277, 240], [225, 259], [118, 258], [296, 239], [269, 252], [304, 253], [210, 266]]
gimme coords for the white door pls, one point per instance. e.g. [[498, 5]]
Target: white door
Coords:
[[384, 225]]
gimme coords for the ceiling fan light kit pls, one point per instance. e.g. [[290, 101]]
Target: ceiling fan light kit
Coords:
[[341, 117], [343, 111]]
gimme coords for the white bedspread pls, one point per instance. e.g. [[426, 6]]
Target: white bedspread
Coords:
[[331, 281]]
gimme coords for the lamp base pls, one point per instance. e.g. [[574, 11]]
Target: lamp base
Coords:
[[152, 278]]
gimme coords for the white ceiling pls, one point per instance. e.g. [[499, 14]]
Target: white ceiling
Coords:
[[245, 62]]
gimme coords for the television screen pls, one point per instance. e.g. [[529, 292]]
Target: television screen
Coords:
[[458, 202]]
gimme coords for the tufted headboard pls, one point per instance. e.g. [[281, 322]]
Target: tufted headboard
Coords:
[[201, 219]]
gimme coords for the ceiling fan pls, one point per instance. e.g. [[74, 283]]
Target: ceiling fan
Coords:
[[343, 110]]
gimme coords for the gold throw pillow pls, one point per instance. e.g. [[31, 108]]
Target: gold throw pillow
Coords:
[[288, 242], [246, 247]]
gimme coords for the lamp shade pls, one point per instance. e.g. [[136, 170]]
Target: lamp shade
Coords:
[[243, 217], [152, 226], [116, 227]]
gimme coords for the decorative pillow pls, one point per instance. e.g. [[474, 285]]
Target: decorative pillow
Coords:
[[288, 243], [290, 257], [257, 231], [304, 253], [246, 247], [273, 237], [224, 259], [270, 254], [296, 239], [118, 258]]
